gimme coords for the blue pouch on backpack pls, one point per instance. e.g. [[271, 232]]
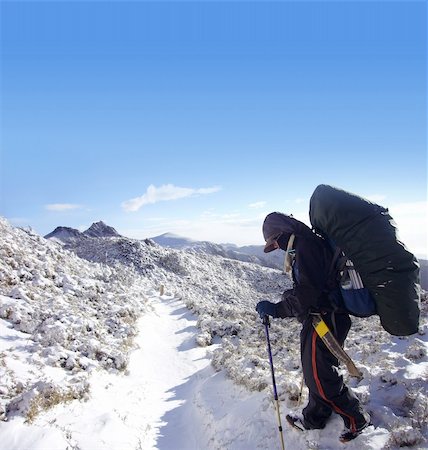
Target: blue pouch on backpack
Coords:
[[357, 299]]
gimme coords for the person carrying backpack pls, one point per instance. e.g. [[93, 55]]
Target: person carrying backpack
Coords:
[[309, 257]]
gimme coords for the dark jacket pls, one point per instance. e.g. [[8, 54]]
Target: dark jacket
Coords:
[[311, 267]]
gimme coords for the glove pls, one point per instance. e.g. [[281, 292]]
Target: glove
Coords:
[[266, 308]]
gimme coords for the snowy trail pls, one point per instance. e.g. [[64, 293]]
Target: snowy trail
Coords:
[[167, 361], [127, 412], [170, 399]]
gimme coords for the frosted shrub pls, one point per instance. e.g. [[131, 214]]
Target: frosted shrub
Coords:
[[291, 389], [388, 378], [173, 262], [405, 436], [204, 339], [417, 350], [45, 395], [418, 405]]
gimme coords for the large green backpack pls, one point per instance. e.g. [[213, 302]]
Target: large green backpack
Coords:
[[367, 235]]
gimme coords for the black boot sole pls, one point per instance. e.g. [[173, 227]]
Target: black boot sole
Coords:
[[293, 421]]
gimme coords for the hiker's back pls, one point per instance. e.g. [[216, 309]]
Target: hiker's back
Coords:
[[367, 235]]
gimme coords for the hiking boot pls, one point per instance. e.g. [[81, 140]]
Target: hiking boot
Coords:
[[299, 423], [296, 422], [348, 435]]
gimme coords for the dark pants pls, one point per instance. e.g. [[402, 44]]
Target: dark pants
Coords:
[[327, 392]]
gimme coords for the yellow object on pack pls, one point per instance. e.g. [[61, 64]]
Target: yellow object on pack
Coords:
[[322, 329]]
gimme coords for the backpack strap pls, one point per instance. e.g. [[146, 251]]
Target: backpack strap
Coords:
[[337, 263], [288, 261]]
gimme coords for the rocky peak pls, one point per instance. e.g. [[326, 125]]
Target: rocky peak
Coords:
[[100, 229], [64, 233]]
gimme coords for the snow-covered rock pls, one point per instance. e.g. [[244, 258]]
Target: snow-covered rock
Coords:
[[64, 234], [100, 229]]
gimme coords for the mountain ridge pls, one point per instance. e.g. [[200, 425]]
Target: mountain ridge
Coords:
[[97, 229], [248, 253]]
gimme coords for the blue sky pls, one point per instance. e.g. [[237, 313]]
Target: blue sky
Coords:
[[200, 118]]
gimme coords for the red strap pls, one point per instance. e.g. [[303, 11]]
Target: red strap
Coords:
[[321, 392]]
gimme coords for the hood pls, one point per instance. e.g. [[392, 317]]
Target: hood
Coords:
[[277, 222]]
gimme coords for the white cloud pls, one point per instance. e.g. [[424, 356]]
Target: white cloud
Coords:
[[412, 222], [163, 193], [257, 205], [61, 207]]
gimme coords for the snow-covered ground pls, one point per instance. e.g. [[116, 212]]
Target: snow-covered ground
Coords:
[[96, 356]]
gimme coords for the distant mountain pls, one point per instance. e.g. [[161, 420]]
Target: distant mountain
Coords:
[[100, 229], [174, 241], [64, 234], [251, 253], [97, 229], [182, 243], [273, 259]]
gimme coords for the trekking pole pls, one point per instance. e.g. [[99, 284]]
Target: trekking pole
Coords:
[[266, 323], [299, 402]]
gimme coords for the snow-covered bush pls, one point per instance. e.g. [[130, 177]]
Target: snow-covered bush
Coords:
[[44, 395], [417, 350], [77, 315], [405, 436], [173, 262], [204, 339]]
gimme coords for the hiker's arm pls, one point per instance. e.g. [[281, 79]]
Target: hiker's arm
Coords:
[[289, 306]]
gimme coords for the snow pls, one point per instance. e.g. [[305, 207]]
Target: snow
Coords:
[[134, 346], [126, 412]]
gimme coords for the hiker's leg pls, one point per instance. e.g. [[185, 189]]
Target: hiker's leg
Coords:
[[316, 413], [322, 376]]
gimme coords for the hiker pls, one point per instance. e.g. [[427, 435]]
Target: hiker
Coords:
[[309, 257]]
